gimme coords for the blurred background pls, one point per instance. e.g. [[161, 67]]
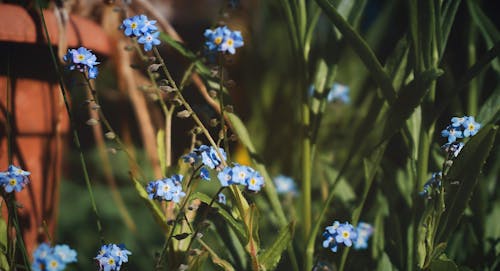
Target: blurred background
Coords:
[[263, 92]]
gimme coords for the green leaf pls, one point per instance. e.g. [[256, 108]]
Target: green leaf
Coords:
[[490, 110], [198, 262], [179, 47], [238, 227], [443, 264], [4, 263], [215, 258], [270, 258], [447, 18], [486, 26], [385, 264], [465, 171], [361, 48]]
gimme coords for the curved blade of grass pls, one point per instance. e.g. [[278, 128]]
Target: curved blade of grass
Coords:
[[215, 258], [449, 11], [361, 48], [490, 111], [487, 28], [465, 170], [270, 258]]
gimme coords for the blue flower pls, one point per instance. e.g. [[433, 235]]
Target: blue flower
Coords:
[[222, 39], [83, 60], [225, 176], [215, 37], [132, 26], [241, 174], [285, 185], [431, 186], [451, 133], [457, 122], [168, 189], [93, 72], [111, 257], [231, 42], [346, 234], [255, 181], [149, 39], [210, 158], [338, 234], [221, 198], [364, 232], [46, 258], [471, 127], [338, 92], [204, 174], [453, 149], [146, 25], [65, 253], [14, 179]]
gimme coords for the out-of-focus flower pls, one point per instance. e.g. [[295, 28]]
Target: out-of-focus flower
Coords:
[[364, 232], [47, 258], [285, 185], [338, 92]]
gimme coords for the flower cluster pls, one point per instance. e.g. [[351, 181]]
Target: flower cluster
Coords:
[[338, 92], [239, 174], [47, 258], [143, 29], [432, 185], [14, 179], [111, 257], [82, 60], [364, 232], [206, 157], [222, 39], [285, 185], [169, 189], [462, 127], [346, 234]]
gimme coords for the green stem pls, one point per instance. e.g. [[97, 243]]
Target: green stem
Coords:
[[221, 104], [76, 138]]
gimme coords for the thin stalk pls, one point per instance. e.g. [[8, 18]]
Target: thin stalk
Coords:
[[8, 114], [76, 138], [473, 87], [19, 234], [188, 107], [221, 104]]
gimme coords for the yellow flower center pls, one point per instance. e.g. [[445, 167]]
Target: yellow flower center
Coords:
[[166, 188], [345, 234], [80, 57], [471, 127], [242, 175], [218, 40], [133, 25], [53, 263], [253, 181], [230, 42], [111, 261], [12, 181]]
